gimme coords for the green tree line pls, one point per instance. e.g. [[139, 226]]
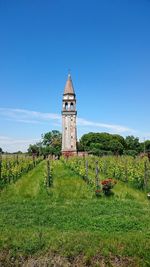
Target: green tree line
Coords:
[[94, 143], [110, 144]]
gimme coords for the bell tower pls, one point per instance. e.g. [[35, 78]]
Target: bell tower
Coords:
[[69, 113]]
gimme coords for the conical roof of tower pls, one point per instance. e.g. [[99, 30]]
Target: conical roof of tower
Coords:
[[69, 86]]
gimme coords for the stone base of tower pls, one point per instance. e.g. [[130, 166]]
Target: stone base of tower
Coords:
[[69, 153]]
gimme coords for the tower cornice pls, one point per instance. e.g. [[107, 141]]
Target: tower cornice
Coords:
[[64, 112], [69, 100]]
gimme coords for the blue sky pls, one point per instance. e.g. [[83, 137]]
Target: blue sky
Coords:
[[105, 43]]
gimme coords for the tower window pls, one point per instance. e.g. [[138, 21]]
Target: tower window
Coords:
[[66, 106], [72, 106]]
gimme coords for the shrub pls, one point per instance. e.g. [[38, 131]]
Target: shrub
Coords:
[[107, 185]]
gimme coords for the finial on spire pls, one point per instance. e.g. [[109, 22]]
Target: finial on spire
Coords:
[[69, 73]]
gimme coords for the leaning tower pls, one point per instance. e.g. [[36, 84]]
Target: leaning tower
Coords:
[[69, 113]]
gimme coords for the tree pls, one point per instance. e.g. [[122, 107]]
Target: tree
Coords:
[[50, 145], [52, 142], [95, 138], [95, 148], [51, 138], [1, 150], [120, 139], [147, 145], [116, 147], [18, 152], [132, 145], [80, 146], [34, 149], [102, 143]]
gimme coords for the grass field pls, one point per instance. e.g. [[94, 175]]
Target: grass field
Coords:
[[69, 226]]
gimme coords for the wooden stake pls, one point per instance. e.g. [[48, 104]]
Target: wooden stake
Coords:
[[0, 165], [145, 174], [86, 168], [96, 176], [48, 173], [126, 170]]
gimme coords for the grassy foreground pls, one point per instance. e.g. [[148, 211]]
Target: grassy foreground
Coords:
[[69, 226]]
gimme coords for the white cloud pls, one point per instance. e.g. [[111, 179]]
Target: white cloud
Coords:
[[113, 127], [12, 144], [28, 116], [34, 117]]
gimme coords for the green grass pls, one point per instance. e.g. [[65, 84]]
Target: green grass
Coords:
[[68, 220]]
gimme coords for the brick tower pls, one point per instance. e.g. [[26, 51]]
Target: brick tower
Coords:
[[69, 113]]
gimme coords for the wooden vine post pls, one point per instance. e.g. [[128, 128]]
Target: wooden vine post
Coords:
[[97, 175], [97, 182], [86, 170], [126, 171], [17, 159], [48, 173], [9, 172], [0, 165], [34, 162], [145, 175], [105, 167]]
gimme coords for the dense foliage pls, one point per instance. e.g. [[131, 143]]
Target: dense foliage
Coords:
[[12, 167], [111, 144], [50, 145], [99, 144]]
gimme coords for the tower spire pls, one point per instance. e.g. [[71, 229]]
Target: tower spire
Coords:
[[69, 86]]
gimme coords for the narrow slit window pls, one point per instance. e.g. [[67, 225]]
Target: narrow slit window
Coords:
[[72, 106], [66, 106]]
